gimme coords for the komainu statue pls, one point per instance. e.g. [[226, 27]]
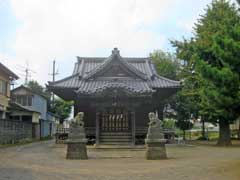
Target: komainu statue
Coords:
[[155, 142], [78, 120], [77, 130], [155, 130]]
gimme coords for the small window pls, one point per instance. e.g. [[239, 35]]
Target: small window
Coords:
[[19, 100], [29, 100], [24, 100], [3, 87], [14, 99]]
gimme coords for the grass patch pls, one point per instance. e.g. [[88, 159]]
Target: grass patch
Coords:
[[21, 142], [25, 141]]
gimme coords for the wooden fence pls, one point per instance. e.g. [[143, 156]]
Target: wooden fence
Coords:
[[14, 131]]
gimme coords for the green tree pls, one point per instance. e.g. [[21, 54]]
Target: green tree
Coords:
[[184, 108], [214, 55], [168, 123], [167, 65], [37, 88], [62, 108]]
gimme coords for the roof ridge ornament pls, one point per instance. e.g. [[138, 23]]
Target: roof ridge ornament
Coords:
[[115, 51]]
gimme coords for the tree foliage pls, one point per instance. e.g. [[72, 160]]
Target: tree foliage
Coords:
[[183, 103], [167, 65], [213, 55], [37, 88], [62, 108]]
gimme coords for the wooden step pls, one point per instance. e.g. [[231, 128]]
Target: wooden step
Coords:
[[115, 140], [115, 134], [115, 137], [116, 143]]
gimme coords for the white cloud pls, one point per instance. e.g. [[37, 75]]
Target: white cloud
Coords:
[[66, 28], [186, 25], [63, 29]]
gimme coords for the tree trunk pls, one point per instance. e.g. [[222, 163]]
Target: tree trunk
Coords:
[[224, 133], [239, 130], [184, 135], [203, 129]]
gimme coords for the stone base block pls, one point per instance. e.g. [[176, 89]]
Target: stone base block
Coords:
[[76, 150], [156, 151]]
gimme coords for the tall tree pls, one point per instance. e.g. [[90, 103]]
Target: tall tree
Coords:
[[185, 102], [167, 65], [36, 87], [214, 54], [62, 108]]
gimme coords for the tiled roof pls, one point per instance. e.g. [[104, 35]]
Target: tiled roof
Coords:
[[135, 87], [8, 71], [87, 67], [17, 106]]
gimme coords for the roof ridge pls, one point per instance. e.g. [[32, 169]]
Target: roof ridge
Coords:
[[124, 62], [61, 80], [79, 58], [170, 80]]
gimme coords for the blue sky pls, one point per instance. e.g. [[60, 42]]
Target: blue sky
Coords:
[[8, 24], [39, 31]]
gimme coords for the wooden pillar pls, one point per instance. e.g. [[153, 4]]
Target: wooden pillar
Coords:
[[160, 111], [133, 127], [97, 128]]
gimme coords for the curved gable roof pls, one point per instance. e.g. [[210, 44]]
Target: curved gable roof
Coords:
[[84, 79]]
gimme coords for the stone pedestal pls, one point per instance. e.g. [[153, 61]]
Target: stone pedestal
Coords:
[[76, 144], [156, 149], [77, 149]]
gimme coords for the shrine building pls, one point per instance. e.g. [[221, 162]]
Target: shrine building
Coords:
[[116, 94]]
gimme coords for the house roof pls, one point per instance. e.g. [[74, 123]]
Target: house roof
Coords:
[[91, 76], [28, 89], [11, 74], [17, 106]]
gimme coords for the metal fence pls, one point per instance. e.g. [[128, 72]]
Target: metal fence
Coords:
[[14, 131]]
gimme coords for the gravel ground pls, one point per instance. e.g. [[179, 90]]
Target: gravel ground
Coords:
[[45, 160]]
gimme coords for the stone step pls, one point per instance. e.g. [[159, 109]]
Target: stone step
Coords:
[[115, 137], [115, 140], [116, 143]]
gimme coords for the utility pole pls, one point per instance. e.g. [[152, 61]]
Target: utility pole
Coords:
[[27, 72], [54, 73]]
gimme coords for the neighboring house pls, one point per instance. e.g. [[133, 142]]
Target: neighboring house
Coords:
[[55, 122], [17, 112], [6, 76], [36, 102]]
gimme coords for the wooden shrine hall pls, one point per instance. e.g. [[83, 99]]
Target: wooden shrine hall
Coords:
[[116, 94]]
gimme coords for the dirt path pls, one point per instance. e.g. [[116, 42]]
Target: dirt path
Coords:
[[44, 160]]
